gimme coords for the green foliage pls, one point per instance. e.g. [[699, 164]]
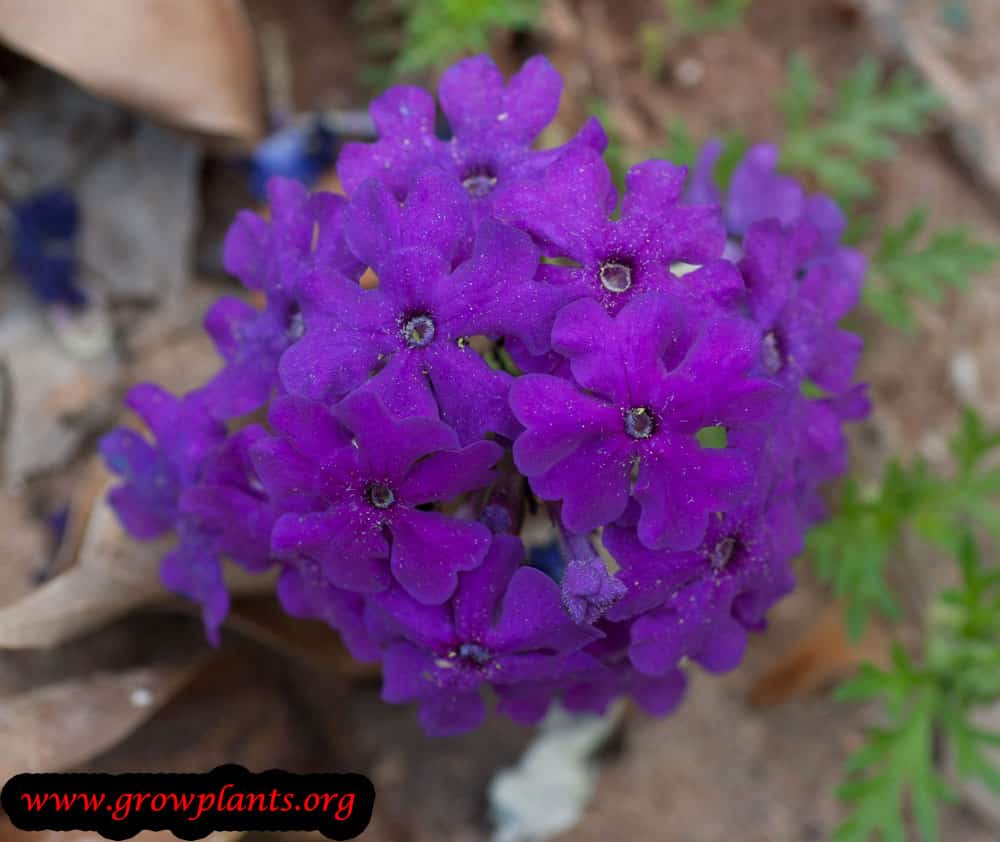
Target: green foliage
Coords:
[[696, 17], [685, 19], [902, 268], [437, 32], [961, 670], [897, 761], [852, 550], [835, 148]]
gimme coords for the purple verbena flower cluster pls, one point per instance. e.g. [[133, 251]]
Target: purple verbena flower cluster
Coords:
[[662, 377]]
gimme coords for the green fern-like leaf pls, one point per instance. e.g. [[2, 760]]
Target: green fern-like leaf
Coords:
[[859, 129], [896, 764], [440, 31], [895, 768], [695, 17], [903, 269], [852, 550]]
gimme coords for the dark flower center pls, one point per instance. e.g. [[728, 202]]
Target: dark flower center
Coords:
[[771, 353], [722, 552], [616, 276], [418, 330], [640, 423], [380, 495], [474, 652], [479, 181]]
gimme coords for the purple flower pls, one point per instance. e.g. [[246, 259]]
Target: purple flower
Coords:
[[305, 591], [355, 495], [305, 232], [798, 309], [756, 191], [688, 384], [224, 515], [493, 127], [567, 210], [657, 695], [154, 476], [638, 406], [732, 578], [504, 627], [409, 339]]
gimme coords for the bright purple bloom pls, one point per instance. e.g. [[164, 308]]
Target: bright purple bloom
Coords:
[[505, 626], [732, 578], [657, 695], [639, 405], [354, 492], [185, 435], [305, 232], [756, 191], [305, 591], [567, 211], [493, 126], [687, 391], [409, 339], [224, 515]]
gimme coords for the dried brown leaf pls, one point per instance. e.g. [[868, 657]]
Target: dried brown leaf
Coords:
[[824, 655], [113, 575], [192, 62], [63, 725]]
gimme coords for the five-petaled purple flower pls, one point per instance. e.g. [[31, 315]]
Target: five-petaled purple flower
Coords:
[[383, 449]]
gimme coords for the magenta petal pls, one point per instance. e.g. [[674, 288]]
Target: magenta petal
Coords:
[[659, 696], [389, 445], [592, 482], [471, 94], [372, 226], [532, 617], [679, 485], [652, 187], [429, 549], [526, 703], [450, 713], [351, 557], [403, 669], [446, 474], [532, 98], [310, 425], [194, 571], [479, 591], [472, 397], [246, 253], [559, 418]]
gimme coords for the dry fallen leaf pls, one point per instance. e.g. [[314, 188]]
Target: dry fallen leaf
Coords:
[[192, 62], [824, 655], [113, 575], [62, 725]]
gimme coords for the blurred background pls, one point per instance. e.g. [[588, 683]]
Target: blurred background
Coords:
[[131, 131]]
